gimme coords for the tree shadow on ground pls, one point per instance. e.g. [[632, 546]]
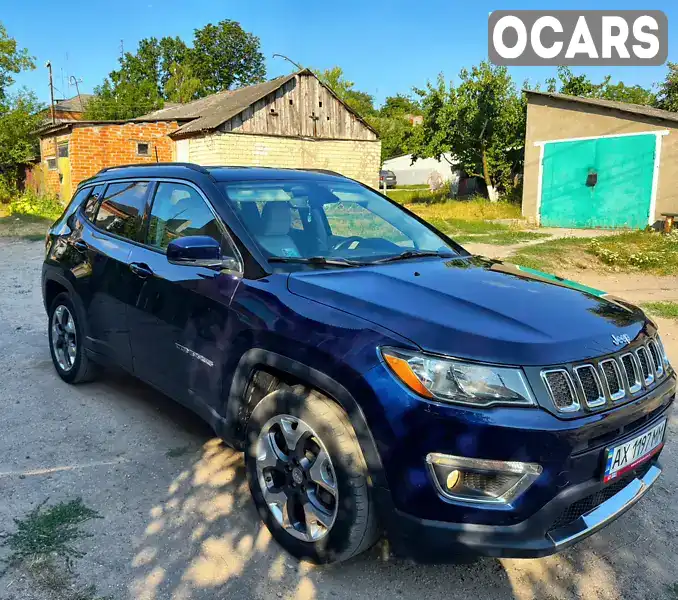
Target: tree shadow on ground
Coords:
[[203, 539]]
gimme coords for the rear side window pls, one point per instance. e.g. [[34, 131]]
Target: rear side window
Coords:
[[122, 210], [93, 202]]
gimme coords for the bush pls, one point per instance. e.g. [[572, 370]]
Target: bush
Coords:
[[30, 203]]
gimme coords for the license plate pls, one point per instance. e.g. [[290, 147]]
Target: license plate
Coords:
[[625, 457]]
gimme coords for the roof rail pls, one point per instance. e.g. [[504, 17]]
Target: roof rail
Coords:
[[158, 164], [326, 171]]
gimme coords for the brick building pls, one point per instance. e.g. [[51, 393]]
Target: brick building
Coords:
[[293, 121], [75, 150]]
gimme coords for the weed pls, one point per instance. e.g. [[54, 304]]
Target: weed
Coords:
[[666, 309], [502, 238], [30, 203], [49, 531]]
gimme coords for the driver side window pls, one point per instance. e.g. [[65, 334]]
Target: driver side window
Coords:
[[348, 218], [178, 211]]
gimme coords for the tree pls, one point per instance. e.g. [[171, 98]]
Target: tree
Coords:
[[166, 69], [226, 56], [399, 106], [360, 102], [581, 85], [19, 119], [13, 60], [667, 98], [481, 122], [395, 134]]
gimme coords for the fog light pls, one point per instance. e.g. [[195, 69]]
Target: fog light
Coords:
[[479, 481], [453, 479]]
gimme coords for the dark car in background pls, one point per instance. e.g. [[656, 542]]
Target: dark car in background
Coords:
[[379, 378], [387, 179]]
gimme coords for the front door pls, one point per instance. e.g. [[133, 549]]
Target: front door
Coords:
[[180, 322], [602, 182]]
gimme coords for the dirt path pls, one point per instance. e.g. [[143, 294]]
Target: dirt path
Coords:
[[178, 522]]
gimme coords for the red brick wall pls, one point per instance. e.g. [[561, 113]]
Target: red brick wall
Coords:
[[93, 147]]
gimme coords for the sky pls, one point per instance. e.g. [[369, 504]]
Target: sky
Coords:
[[384, 47]]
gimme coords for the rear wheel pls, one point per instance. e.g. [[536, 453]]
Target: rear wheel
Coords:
[[308, 477], [66, 337]]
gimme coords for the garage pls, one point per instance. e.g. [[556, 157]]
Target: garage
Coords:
[[592, 163]]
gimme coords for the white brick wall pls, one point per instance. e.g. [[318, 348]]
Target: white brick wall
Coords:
[[356, 159]]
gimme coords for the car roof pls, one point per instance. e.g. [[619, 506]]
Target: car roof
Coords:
[[194, 172]]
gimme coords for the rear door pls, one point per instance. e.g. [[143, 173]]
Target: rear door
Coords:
[[109, 225], [181, 319]]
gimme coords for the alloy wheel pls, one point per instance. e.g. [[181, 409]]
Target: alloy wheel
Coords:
[[64, 338], [296, 477]]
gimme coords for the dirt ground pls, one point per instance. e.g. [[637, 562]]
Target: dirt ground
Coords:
[[177, 521]]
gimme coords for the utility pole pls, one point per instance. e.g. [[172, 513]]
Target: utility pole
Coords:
[[77, 89], [51, 92]]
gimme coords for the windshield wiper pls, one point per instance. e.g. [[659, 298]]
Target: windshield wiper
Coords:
[[316, 260], [413, 254]]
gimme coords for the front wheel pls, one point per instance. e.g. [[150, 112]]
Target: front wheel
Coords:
[[308, 477]]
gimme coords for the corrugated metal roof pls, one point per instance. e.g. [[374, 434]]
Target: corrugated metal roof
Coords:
[[74, 104], [635, 109]]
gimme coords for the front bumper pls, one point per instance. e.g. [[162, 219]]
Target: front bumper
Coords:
[[428, 540]]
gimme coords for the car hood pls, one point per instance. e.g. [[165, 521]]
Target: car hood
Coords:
[[472, 307]]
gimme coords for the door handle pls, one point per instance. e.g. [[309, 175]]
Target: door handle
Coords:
[[81, 246], [141, 270]]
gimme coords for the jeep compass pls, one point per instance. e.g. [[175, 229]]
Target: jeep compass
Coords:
[[379, 378]]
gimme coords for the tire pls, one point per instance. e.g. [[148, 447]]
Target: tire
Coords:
[[79, 367], [354, 528]]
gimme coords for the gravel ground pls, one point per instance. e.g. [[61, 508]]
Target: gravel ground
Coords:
[[177, 518]]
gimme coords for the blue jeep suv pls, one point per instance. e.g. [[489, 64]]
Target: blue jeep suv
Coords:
[[378, 377]]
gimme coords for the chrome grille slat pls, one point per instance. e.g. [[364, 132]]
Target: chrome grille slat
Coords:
[[632, 372], [657, 358], [645, 367], [560, 387], [613, 378], [590, 385]]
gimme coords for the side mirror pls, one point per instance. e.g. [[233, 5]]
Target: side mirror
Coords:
[[198, 251]]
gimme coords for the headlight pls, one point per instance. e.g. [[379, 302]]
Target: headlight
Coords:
[[452, 380], [665, 358]]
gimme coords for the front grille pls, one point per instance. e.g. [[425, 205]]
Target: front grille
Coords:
[[590, 385], [657, 359], [603, 382], [562, 392], [645, 369], [613, 378], [585, 505], [632, 372]]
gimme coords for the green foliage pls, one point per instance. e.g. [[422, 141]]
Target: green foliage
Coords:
[[13, 60], [19, 119], [481, 122], [399, 106], [360, 102], [581, 85], [667, 98], [223, 56], [30, 203], [395, 134], [667, 309], [48, 531], [502, 238], [226, 56]]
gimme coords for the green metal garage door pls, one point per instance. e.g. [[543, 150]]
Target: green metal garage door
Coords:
[[622, 169]]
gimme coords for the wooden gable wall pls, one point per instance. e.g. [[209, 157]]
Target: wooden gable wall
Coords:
[[301, 107]]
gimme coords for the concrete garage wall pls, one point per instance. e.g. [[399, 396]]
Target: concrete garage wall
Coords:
[[554, 119], [357, 159]]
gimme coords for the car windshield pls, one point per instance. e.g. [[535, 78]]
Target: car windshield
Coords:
[[338, 220]]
